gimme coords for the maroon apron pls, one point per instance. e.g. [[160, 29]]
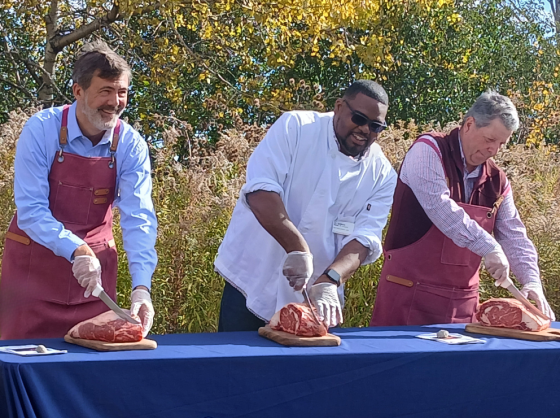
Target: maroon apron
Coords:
[[39, 295], [432, 281]]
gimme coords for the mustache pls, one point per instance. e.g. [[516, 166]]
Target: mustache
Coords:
[[116, 109]]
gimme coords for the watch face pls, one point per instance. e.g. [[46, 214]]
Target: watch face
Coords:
[[333, 275]]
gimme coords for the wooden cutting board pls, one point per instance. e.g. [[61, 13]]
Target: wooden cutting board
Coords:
[[292, 340], [549, 334], [144, 344]]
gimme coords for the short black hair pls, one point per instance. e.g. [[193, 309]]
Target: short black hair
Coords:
[[368, 87]]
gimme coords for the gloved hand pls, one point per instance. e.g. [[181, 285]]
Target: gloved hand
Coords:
[[497, 264], [324, 297], [87, 272], [141, 305], [298, 268], [534, 291]]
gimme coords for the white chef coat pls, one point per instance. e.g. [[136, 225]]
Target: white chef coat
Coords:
[[300, 160]]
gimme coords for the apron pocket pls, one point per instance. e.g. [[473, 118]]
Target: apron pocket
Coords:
[[72, 204], [430, 305], [50, 277], [465, 305], [438, 305], [454, 255]]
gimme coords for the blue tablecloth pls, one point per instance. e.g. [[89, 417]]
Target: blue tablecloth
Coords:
[[376, 372]]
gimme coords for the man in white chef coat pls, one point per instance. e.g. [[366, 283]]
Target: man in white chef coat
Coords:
[[312, 210]]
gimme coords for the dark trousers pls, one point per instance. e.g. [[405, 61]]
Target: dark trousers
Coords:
[[234, 315]]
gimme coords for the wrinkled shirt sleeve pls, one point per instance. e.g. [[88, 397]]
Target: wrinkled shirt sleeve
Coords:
[[423, 172], [369, 224], [138, 219], [510, 232], [31, 192], [269, 164]]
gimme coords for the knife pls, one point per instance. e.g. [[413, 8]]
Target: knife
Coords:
[[508, 284], [101, 294], [306, 298]]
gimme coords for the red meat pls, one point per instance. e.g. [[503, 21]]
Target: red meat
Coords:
[[509, 313], [107, 327], [297, 318]]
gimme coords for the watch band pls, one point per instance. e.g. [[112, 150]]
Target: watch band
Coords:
[[333, 275]]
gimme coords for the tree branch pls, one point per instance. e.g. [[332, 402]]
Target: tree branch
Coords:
[[59, 42], [113, 15], [20, 88]]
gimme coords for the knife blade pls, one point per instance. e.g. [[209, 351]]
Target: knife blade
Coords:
[[508, 284], [101, 294], [308, 301]]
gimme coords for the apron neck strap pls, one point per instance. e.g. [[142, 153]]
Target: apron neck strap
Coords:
[[115, 140], [63, 137]]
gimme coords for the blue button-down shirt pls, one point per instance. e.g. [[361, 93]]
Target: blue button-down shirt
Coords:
[[36, 150]]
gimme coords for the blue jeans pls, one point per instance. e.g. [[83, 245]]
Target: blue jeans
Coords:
[[234, 315]]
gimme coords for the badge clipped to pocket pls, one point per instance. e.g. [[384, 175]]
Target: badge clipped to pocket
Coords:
[[343, 226]]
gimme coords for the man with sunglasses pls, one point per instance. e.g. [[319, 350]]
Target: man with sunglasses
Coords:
[[450, 198], [312, 210]]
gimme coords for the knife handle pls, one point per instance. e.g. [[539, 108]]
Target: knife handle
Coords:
[[505, 284], [97, 291]]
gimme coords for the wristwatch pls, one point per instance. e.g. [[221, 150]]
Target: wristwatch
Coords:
[[333, 275]]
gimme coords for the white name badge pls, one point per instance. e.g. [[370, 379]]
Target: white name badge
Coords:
[[343, 227]]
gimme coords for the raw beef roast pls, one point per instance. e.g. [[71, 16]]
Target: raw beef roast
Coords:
[[509, 313], [107, 327], [297, 318]]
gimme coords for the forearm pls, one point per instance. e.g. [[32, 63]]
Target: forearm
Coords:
[[347, 261], [271, 213]]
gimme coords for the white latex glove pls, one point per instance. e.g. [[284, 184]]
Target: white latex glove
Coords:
[[534, 291], [87, 272], [497, 264], [141, 305], [324, 297], [298, 268]]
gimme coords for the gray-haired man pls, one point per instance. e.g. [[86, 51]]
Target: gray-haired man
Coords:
[[450, 198]]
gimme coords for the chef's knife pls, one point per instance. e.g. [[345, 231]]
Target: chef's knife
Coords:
[[508, 284], [100, 293], [306, 298]]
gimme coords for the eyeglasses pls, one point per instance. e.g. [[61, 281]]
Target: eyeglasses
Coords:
[[361, 120]]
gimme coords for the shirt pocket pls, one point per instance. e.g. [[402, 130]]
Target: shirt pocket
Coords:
[[72, 203]]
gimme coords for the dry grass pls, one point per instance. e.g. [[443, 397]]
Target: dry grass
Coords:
[[194, 202]]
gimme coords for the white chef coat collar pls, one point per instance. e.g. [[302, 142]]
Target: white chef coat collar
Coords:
[[74, 130]]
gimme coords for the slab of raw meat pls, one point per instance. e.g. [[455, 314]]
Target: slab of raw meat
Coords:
[[509, 313], [297, 318], [107, 327]]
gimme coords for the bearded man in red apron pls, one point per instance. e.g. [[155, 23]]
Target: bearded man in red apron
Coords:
[[450, 198], [72, 164]]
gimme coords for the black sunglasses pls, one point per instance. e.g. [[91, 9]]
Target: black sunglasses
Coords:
[[361, 120]]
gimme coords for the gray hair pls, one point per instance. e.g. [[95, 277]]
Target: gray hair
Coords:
[[491, 105], [97, 58]]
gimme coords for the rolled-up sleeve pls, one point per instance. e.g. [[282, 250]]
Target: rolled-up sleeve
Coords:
[[269, 164], [31, 192], [138, 219], [369, 224]]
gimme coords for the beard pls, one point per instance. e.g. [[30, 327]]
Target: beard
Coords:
[[349, 147], [101, 120]]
